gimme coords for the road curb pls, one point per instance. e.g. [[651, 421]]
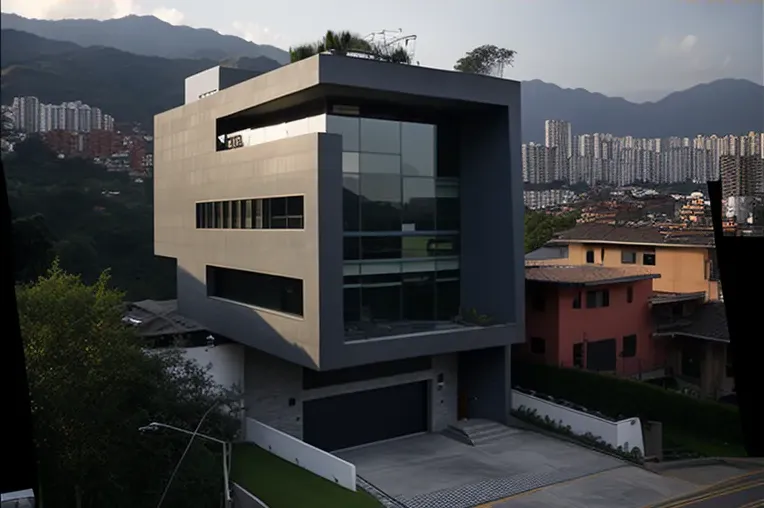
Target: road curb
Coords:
[[744, 462]]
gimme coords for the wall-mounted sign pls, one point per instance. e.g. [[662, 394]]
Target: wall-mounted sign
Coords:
[[234, 142]]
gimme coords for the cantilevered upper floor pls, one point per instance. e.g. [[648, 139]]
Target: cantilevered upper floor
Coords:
[[340, 211]]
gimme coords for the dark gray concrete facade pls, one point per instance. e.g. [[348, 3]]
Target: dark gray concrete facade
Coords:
[[189, 169]]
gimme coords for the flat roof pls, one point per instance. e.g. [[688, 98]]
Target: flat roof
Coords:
[[351, 75], [585, 275], [641, 235]]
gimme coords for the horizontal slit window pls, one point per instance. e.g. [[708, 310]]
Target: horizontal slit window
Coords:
[[273, 292], [257, 213]]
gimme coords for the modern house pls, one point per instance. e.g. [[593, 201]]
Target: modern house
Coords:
[[358, 226], [590, 317], [685, 259]]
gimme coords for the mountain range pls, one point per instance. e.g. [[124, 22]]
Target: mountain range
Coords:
[[134, 67], [145, 35]]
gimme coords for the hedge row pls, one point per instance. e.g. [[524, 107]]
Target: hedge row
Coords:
[[617, 397]]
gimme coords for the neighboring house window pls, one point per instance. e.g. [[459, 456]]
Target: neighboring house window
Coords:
[[577, 300], [629, 346], [628, 257], [578, 355], [595, 299], [629, 294], [538, 346], [602, 255], [648, 258], [590, 256]]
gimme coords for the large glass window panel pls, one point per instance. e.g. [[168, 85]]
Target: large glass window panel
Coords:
[[380, 203], [351, 203], [447, 299], [418, 149], [377, 163], [419, 296], [380, 136], [447, 207], [414, 246], [381, 247], [418, 204], [374, 273], [422, 266], [443, 246], [349, 128], [351, 248], [350, 162], [381, 302], [295, 209], [351, 300]]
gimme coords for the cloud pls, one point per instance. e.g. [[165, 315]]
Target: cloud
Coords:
[[726, 62], [89, 9], [686, 45], [170, 15], [677, 47], [256, 33]]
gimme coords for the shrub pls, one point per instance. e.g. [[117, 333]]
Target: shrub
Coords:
[[614, 396]]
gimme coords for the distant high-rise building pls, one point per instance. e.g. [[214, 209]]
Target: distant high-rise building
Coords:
[[557, 134], [30, 115], [742, 175]]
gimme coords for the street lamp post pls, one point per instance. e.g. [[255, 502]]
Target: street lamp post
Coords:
[[226, 452]]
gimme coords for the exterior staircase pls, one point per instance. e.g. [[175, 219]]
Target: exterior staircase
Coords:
[[478, 432]]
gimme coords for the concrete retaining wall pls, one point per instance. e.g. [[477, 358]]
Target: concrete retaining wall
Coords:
[[302, 454], [625, 433]]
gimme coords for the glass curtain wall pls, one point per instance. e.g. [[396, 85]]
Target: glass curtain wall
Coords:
[[401, 223]]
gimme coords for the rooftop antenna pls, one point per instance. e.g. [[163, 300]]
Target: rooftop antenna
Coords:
[[390, 41]]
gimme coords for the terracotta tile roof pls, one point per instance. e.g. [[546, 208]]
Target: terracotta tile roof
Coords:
[[584, 274], [593, 232]]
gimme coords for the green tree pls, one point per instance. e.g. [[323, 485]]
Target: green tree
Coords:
[[92, 387], [97, 220], [487, 59], [540, 227], [343, 42], [33, 247]]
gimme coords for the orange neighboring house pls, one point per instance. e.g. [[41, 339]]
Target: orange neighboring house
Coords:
[[685, 259], [592, 317]]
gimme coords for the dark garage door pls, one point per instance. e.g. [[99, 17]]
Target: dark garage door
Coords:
[[353, 419], [600, 355]]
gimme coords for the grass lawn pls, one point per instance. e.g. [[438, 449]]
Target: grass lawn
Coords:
[[673, 438], [281, 484]]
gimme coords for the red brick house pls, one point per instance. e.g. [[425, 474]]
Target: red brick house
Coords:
[[593, 317]]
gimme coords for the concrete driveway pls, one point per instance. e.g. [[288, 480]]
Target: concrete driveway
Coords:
[[433, 471]]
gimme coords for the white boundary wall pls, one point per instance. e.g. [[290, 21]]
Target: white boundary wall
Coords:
[[302, 454], [245, 499], [626, 433], [226, 362]]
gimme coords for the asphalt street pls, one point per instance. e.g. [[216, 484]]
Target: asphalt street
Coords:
[[742, 492]]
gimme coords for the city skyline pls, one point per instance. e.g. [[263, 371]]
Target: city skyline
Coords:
[[622, 160], [31, 115]]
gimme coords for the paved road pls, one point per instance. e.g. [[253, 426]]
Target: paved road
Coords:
[[742, 492]]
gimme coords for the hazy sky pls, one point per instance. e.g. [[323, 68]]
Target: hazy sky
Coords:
[[639, 49]]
